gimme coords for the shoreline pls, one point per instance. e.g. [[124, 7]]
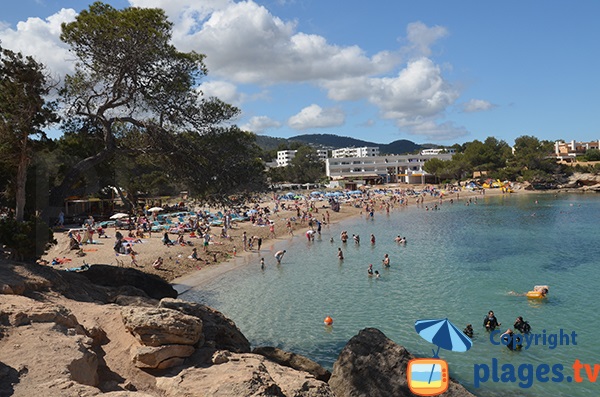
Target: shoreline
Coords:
[[196, 279], [221, 257]]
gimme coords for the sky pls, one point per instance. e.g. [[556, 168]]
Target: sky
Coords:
[[430, 71]]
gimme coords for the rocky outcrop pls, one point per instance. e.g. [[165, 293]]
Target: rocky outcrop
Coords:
[[53, 346], [45, 340], [372, 365], [100, 283], [162, 357], [44, 313], [162, 326], [583, 181], [219, 331], [293, 360], [243, 375], [112, 276]]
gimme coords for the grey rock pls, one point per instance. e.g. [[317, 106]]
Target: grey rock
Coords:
[[373, 365], [293, 360]]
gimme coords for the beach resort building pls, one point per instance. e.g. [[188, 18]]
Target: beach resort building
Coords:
[[381, 169], [436, 151], [365, 151], [569, 151], [284, 157]]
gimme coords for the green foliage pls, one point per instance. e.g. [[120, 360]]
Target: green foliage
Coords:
[[135, 96], [26, 240], [592, 155], [23, 114], [305, 167]]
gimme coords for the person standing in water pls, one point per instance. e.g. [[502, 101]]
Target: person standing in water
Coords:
[[386, 261], [279, 255]]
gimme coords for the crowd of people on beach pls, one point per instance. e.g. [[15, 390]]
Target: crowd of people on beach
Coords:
[[195, 229]]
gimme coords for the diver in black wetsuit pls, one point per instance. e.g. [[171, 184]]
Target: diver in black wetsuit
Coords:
[[522, 326], [490, 322]]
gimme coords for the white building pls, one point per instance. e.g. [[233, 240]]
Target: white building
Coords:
[[569, 151], [365, 151], [381, 169], [284, 157], [322, 154], [436, 151]]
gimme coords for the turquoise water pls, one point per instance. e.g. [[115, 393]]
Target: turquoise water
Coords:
[[459, 263]]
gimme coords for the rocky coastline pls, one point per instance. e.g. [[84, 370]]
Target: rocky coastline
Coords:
[[121, 332]]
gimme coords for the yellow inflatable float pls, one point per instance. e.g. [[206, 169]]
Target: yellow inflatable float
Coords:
[[539, 292]]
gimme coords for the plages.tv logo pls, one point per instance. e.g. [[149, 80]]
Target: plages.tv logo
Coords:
[[429, 376]]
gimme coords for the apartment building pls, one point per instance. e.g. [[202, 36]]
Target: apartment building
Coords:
[[568, 151], [382, 169], [284, 157], [365, 151]]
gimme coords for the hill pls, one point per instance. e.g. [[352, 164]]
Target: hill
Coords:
[[331, 141]]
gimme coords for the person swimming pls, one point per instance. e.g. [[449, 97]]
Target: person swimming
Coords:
[[370, 270], [468, 330]]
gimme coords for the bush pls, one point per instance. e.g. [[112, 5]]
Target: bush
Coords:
[[26, 240]]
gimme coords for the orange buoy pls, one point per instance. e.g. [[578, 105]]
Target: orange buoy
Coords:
[[328, 320]]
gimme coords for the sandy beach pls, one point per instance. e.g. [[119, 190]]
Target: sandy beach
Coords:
[[224, 254]]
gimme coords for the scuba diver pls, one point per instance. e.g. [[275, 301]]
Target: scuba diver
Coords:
[[490, 322], [468, 330], [522, 325]]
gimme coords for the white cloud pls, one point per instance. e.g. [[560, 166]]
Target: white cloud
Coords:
[[419, 90], [314, 116], [246, 43], [421, 37], [41, 39], [438, 132], [477, 105], [418, 93], [259, 124], [223, 90]]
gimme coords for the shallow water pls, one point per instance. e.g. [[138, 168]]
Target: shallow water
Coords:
[[459, 262]]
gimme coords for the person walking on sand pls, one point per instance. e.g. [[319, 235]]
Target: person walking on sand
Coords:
[[279, 256], [271, 230]]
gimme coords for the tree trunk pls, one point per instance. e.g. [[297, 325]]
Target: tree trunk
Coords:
[[21, 181], [60, 192]]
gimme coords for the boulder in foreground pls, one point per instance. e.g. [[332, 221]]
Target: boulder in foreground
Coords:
[[373, 365]]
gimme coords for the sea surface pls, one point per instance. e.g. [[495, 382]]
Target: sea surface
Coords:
[[459, 262]]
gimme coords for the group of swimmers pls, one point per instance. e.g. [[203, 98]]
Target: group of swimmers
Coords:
[[490, 323]]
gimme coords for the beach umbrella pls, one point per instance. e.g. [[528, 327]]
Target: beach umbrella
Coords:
[[155, 209], [443, 334], [119, 215]]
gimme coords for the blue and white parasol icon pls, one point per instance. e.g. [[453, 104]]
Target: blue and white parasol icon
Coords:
[[444, 334]]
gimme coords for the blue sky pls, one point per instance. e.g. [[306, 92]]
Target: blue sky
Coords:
[[429, 71]]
